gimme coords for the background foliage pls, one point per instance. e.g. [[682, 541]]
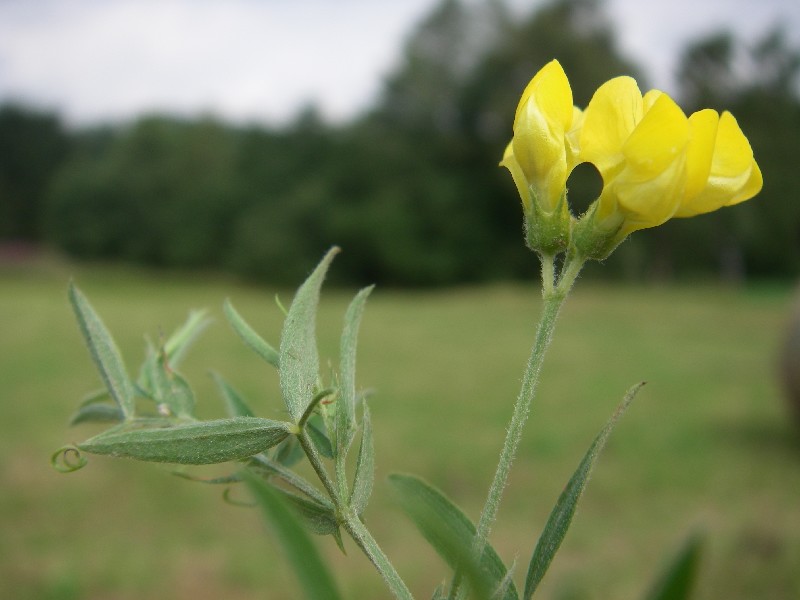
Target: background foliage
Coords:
[[410, 189]]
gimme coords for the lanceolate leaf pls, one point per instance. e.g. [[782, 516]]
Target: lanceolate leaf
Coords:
[[299, 358], [677, 581], [301, 552], [97, 413], [365, 467], [176, 345], [234, 403], [104, 352], [345, 407], [562, 513], [200, 443], [249, 335], [317, 518], [451, 534]]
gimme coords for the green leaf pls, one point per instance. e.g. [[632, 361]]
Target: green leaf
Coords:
[[104, 352], [365, 467], [289, 452], [202, 443], [249, 335], [175, 392], [97, 413], [179, 341], [320, 440], [678, 579], [451, 534], [561, 516], [299, 358], [345, 423], [317, 517], [314, 577], [234, 403]]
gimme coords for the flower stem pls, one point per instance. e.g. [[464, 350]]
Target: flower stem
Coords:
[[554, 297]]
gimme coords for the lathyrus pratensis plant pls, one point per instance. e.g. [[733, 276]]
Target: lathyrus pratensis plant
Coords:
[[656, 163]]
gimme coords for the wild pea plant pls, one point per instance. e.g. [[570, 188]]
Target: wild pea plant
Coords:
[[656, 164]]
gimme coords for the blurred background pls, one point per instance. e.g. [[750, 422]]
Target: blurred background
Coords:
[[171, 154]]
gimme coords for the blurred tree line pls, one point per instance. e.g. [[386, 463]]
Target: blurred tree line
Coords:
[[411, 189]]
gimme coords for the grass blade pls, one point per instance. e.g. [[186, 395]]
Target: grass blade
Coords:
[[561, 516]]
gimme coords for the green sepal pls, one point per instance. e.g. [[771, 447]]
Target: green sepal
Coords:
[[345, 421], [303, 556], [548, 232], [249, 335], [561, 516], [104, 352], [198, 443], [299, 357], [97, 413], [234, 403], [679, 577], [365, 467], [451, 534]]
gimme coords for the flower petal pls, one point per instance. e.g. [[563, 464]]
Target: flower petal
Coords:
[[610, 117]]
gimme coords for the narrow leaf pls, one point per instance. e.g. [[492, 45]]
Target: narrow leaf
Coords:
[[317, 517], [249, 335], [97, 413], [345, 424], [301, 552], [234, 403], [678, 579], [201, 443], [365, 467], [179, 341], [104, 352], [266, 467], [561, 516], [320, 440], [289, 452], [451, 534], [299, 358]]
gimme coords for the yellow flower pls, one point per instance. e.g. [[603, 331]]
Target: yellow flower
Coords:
[[657, 164], [541, 155]]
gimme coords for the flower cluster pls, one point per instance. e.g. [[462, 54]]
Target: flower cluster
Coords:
[[656, 163]]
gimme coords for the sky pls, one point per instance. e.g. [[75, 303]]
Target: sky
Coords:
[[263, 60]]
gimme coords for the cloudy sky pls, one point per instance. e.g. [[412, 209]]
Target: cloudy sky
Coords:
[[98, 60]]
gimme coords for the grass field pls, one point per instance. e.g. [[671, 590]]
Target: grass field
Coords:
[[707, 445]]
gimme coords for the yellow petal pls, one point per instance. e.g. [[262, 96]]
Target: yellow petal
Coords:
[[550, 90], [510, 162], [734, 175], [658, 139], [703, 127], [611, 116]]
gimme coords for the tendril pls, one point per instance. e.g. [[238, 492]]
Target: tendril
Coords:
[[68, 459], [226, 496]]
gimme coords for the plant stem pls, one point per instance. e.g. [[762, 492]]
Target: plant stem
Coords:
[[354, 526], [554, 297], [363, 538]]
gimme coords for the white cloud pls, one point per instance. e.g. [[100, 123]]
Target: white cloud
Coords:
[[262, 59]]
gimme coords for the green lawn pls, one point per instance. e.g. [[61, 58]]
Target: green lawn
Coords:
[[707, 445]]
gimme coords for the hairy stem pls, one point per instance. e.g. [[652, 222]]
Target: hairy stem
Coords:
[[554, 297]]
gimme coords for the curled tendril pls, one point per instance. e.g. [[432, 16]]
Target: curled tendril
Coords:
[[226, 496], [68, 459]]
